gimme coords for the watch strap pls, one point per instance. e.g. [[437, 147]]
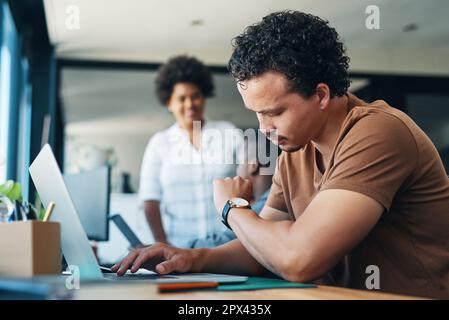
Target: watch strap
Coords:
[[224, 214]]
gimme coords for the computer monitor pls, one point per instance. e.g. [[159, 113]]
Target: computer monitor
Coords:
[[90, 192]]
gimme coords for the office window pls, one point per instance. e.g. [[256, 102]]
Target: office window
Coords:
[[4, 97], [8, 93], [24, 132]]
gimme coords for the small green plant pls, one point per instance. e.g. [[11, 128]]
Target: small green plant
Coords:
[[10, 194], [12, 190]]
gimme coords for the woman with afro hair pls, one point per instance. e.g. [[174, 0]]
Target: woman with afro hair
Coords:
[[176, 184]]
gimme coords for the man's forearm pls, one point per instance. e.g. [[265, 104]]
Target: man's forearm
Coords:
[[230, 258], [263, 239]]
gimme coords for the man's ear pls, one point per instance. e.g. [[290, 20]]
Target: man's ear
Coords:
[[324, 95]]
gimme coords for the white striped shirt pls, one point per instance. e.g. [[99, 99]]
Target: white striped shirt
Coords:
[[180, 177]]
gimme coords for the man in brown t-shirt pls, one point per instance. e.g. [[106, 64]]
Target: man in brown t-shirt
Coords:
[[357, 182], [381, 153]]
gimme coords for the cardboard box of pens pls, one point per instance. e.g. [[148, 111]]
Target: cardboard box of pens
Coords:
[[28, 247]]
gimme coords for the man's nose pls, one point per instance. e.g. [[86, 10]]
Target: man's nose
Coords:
[[265, 125]]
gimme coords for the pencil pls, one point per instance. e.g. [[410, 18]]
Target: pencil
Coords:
[[185, 286], [49, 211]]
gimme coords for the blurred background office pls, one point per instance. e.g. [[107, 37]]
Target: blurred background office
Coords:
[[86, 68]]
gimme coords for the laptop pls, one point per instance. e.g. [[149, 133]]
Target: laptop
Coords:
[[76, 249]]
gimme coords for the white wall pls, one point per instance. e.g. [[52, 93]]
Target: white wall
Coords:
[[129, 149]]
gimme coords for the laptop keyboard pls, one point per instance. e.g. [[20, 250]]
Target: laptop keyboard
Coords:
[[113, 276]]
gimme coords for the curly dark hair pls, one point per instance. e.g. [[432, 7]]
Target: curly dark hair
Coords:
[[183, 69], [301, 46]]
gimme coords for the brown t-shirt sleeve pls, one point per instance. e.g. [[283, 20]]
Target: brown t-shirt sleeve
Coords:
[[375, 158], [276, 198]]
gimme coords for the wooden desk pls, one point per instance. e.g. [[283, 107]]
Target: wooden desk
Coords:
[[147, 290], [319, 293]]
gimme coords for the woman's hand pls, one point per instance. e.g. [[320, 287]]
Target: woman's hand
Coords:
[[159, 257]]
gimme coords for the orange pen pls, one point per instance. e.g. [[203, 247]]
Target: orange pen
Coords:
[[185, 286]]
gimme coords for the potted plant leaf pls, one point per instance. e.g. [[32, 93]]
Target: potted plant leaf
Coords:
[[12, 205]]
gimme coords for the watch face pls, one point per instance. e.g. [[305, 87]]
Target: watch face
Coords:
[[239, 202]]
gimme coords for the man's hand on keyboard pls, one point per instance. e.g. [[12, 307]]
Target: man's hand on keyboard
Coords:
[[159, 257]]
